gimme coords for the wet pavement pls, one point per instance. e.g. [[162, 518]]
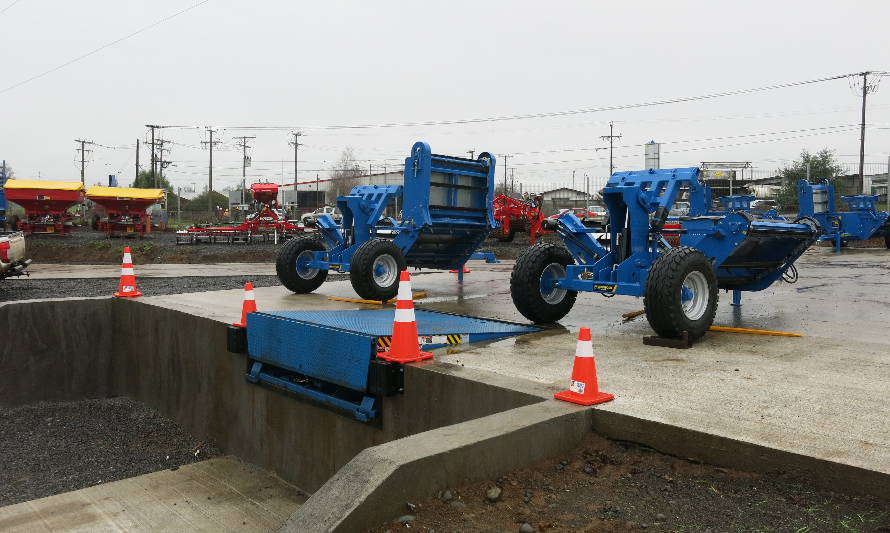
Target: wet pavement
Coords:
[[821, 395]]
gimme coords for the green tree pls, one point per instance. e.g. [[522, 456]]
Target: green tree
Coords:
[[144, 180], [344, 174], [822, 165], [198, 204]]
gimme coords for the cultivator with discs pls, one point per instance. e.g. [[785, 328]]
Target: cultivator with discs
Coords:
[[733, 250]]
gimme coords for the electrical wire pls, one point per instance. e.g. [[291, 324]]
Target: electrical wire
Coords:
[[103, 47], [5, 9]]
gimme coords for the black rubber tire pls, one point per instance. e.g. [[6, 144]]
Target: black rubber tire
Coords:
[[887, 240], [525, 283], [286, 264], [361, 271], [662, 300], [14, 223]]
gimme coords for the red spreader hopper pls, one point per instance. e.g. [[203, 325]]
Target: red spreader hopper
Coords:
[[45, 203], [125, 208]]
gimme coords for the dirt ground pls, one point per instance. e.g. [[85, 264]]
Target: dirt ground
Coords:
[[48, 447], [611, 487]]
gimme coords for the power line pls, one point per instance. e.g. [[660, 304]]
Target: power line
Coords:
[[551, 114], [5, 9], [103, 47]]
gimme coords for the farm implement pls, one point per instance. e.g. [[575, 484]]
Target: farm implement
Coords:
[[732, 249], [267, 223], [515, 216], [446, 214], [45, 203], [862, 222], [125, 209]]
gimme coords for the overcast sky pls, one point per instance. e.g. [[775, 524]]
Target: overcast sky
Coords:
[[284, 63]]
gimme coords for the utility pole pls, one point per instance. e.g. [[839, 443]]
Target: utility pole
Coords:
[[153, 159], [137, 162], [865, 90], [573, 180], [505, 156], [296, 144], [83, 162], [611, 138], [472, 153], [210, 144], [244, 159], [161, 162], [512, 181]]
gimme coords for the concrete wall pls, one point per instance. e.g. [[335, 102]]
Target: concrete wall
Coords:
[[55, 350], [178, 363]]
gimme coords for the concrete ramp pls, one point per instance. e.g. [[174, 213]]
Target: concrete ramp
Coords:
[[222, 494]]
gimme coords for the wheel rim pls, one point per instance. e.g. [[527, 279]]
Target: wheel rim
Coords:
[[550, 292], [694, 295], [385, 270], [303, 268]]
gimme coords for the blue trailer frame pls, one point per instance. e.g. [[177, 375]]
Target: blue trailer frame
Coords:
[[446, 215], [747, 251], [862, 222]]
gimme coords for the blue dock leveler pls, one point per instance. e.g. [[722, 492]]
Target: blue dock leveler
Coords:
[[731, 248], [862, 222], [446, 204], [329, 357]]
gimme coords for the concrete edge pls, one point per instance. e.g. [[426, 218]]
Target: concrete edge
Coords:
[[732, 453], [374, 487]]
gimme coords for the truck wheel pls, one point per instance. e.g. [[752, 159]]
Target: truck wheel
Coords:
[[374, 271], [292, 264], [532, 287], [681, 293]]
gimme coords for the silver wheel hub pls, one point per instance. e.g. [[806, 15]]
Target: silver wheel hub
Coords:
[[303, 269], [549, 291], [694, 295], [386, 270]]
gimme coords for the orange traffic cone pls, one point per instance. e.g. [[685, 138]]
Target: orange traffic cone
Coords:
[[247, 306], [405, 347], [127, 286], [583, 388]]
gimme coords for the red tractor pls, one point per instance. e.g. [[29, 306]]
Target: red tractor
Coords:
[[517, 215]]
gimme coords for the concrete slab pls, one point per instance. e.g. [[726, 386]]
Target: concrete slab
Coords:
[[820, 395], [56, 271], [221, 494]]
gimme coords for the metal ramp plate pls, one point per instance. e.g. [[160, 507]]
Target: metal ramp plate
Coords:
[[337, 346]]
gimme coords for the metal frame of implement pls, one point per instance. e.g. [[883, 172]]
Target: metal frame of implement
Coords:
[[862, 222]]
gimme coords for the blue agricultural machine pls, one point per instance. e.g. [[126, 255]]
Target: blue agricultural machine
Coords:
[[446, 214], [863, 221], [732, 248]]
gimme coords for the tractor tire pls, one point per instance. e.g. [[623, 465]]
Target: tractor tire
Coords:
[[14, 223], [375, 269], [887, 239], [300, 280], [681, 293], [536, 303]]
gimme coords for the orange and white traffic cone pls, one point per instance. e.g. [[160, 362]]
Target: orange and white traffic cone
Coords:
[[583, 388], [127, 286], [247, 306], [405, 347]]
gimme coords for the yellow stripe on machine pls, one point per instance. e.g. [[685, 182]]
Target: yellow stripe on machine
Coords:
[[425, 340]]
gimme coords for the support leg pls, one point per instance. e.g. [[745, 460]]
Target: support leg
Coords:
[[837, 244], [460, 274], [737, 298]]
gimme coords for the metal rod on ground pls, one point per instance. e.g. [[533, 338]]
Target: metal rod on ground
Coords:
[[755, 331]]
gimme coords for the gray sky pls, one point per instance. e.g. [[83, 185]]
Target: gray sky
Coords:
[[283, 63]]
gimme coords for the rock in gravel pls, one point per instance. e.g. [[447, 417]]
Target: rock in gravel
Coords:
[[660, 517], [446, 496], [459, 505], [411, 508], [404, 519], [526, 528], [493, 494]]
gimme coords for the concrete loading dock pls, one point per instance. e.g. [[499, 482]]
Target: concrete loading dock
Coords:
[[811, 404]]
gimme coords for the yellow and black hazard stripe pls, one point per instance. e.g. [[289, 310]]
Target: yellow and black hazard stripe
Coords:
[[451, 339]]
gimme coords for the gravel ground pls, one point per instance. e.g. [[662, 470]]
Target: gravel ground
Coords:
[[49, 448], [605, 486]]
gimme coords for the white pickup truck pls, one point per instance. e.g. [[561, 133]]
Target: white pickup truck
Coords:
[[12, 254]]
